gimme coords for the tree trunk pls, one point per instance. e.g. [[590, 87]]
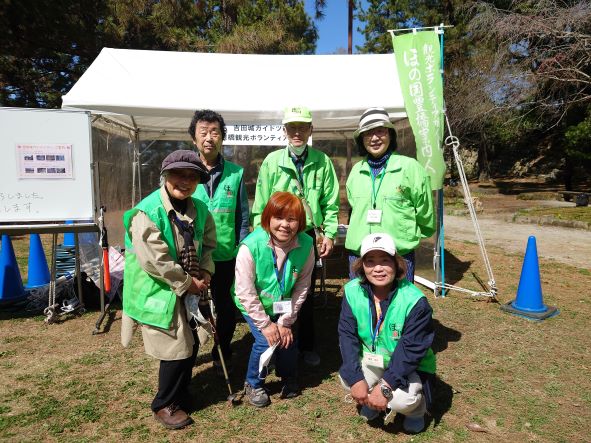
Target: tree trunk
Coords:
[[568, 173], [483, 165]]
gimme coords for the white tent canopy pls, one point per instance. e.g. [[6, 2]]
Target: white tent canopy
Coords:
[[156, 92]]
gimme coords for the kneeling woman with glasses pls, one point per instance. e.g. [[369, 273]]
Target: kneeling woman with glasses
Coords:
[[385, 337], [273, 269]]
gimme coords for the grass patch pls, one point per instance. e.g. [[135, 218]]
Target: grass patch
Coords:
[[582, 214], [8, 353], [538, 196], [519, 380]]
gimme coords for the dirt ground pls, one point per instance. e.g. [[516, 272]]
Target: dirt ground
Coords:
[[501, 378], [498, 203]]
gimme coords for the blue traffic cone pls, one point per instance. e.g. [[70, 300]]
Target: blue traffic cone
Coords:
[[38, 270], [69, 240], [529, 301], [11, 284]]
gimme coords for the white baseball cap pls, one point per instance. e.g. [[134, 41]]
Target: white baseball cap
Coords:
[[378, 242]]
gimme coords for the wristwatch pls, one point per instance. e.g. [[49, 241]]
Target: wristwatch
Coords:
[[386, 391]]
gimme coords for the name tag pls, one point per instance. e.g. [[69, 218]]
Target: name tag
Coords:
[[282, 307], [375, 360], [374, 216]]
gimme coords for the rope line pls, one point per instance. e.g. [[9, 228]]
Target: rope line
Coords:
[[453, 142]]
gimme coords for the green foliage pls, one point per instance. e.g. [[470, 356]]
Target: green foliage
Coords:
[[383, 15], [265, 26], [48, 44], [578, 138]]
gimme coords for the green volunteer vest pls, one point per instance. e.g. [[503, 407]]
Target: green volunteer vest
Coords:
[[406, 298], [402, 177], [223, 210], [266, 282], [146, 299]]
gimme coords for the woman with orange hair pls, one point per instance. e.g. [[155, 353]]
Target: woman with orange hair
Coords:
[[273, 269]]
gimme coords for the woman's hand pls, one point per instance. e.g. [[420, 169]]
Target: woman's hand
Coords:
[[376, 399], [325, 248], [286, 336], [359, 392], [197, 286], [271, 333], [205, 276]]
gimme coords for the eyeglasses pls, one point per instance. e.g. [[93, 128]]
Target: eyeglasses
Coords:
[[380, 131], [298, 127]]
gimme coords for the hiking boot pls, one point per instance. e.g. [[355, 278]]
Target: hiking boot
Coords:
[[290, 388], [368, 414], [256, 396], [311, 358], [413, 425], [172, 417]]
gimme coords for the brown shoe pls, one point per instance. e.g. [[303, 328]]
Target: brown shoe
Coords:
[[172, 417]]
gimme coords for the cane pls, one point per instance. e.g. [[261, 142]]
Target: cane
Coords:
[[105, 245], [104, 242], [206, 309]]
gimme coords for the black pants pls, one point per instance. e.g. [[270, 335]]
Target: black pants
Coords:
[[306, 336], [174, 378], [221, 283]]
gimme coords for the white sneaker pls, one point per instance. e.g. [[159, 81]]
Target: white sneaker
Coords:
[[414, 425]]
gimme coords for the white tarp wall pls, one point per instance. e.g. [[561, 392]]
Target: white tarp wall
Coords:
[[156, 92], [140, 97]]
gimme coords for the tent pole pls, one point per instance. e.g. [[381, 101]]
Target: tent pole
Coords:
[[439, 247], [136, 168], [139, 164]]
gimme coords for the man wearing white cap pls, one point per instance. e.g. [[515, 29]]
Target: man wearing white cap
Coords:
[[388, 192], [385, 336], [309, 174]]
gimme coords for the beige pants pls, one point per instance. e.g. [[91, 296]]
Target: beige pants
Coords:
[[409, 401]]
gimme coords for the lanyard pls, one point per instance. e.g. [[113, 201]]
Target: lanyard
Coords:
[[379, 324], [280, 281], [374, 191]]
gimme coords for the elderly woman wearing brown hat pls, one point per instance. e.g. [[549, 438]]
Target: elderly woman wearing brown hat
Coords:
[[399, 201], [169, 240]]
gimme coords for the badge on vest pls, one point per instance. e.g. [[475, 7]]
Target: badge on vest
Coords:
[[374, 216], [282, 307], [396, 331], [374, 360], [229, 192]]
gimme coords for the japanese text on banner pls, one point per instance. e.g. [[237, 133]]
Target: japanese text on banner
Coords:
[[418, 62]]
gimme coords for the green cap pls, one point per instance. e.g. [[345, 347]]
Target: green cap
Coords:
[[296, 114]]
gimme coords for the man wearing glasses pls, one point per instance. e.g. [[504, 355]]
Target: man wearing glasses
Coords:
[[225, 196], [309, 174]]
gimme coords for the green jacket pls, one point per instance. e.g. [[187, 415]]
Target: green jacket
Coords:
[[146, 299], [321, 187], [404, 196], [266, 282], [222, 206], [386, 341]]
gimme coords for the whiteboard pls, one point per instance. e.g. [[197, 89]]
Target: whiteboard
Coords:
[[46, 165]]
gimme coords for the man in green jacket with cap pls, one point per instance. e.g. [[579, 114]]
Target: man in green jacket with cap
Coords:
[[309, 174]]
